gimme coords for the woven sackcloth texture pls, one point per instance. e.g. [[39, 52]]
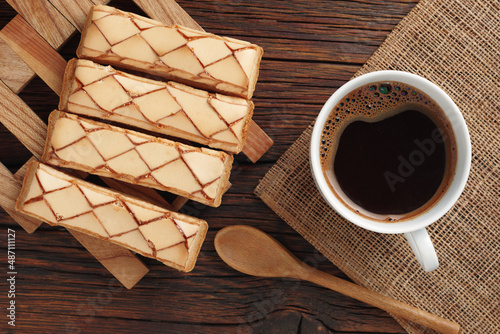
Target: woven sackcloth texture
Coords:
[[455, 44]]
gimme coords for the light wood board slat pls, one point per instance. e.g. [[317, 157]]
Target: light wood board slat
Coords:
[[22, 121], [14, 72], [169, 12], [258, 142], [35, 51], [11, 187], [123, 264], [45, 19], [74, 11]]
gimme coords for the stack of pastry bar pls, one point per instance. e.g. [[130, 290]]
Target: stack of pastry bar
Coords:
[[202, 96]]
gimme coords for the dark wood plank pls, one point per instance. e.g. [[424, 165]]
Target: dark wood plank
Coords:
[[206, 292], [311, 49]]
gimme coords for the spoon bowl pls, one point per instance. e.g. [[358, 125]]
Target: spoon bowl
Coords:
[[239, 246]]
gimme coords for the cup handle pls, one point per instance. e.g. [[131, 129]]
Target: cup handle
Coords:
[[421, 244]]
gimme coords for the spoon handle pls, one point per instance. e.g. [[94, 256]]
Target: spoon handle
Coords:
[[380, 301]]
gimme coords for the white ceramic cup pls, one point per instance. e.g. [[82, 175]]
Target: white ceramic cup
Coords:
[[414, 227]]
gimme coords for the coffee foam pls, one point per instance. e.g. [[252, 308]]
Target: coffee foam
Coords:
[[372, 103]]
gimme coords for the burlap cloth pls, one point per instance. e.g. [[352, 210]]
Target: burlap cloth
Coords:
[[455, 44]]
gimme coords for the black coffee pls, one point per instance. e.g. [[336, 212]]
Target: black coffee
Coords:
[[388, 151]]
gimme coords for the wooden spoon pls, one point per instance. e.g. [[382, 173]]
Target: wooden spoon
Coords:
[[255, 253]]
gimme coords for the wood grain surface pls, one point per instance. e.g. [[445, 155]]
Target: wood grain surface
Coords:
[[45, 19], [15, 73], [21, 121], [35, 51], [311, 49], [74, 11]]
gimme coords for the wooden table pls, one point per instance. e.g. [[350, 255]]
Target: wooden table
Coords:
[[311, 49]]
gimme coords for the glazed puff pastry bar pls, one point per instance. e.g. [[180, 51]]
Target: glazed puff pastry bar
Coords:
[[177, 53], [59, 199], [199, 174], [170, 108]]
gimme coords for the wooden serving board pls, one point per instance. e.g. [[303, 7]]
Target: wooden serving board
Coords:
[[28, 47]]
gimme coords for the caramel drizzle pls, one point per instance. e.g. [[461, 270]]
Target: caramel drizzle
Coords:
[[188, 39], [119, 201], [148, 175], [210, 139]]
